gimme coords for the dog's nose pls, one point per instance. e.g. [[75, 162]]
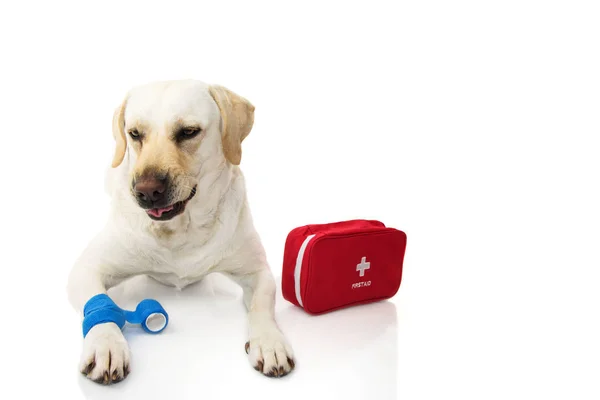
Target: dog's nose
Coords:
[[150, 190]]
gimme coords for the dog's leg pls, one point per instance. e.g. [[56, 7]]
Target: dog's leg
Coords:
[[267, 348], [105, 356]]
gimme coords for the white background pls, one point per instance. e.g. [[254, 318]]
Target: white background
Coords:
[[472, 126]]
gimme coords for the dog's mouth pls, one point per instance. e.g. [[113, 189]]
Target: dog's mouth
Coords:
[[166, 213]]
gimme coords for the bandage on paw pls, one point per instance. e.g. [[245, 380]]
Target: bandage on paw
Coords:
[[101, 309]]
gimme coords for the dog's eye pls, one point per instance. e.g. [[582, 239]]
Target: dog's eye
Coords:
[[135, 135], [188, 133]]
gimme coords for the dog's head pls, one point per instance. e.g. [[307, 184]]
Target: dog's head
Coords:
[[169, 130]]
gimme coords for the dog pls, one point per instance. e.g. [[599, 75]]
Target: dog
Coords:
[[178, 212]]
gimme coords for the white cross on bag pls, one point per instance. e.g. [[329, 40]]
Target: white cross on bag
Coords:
[[364, 265]]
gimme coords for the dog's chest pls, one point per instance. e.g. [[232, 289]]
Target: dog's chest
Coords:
[[184, 251], [182, 265]]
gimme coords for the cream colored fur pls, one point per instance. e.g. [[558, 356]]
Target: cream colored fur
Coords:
[[215, 233]]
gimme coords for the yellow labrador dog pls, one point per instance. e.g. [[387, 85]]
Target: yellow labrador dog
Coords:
[[179, 212]]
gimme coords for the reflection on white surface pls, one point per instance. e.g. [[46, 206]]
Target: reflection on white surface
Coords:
[[349, 354]]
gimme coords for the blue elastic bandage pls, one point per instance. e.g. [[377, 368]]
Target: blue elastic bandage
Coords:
[[101, 309]]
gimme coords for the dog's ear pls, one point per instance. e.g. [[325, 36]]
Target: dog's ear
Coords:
[[118, 128], [237, 115]]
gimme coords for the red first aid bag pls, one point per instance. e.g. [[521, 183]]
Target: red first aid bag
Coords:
[[332, 266]]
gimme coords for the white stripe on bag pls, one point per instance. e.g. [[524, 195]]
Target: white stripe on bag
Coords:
[[299, 268]]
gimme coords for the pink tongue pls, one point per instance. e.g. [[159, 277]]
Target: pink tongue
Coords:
[[157, 212]]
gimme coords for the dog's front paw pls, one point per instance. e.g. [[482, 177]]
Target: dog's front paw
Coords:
[[105, 357], [270, 354]]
